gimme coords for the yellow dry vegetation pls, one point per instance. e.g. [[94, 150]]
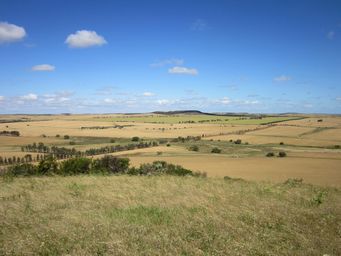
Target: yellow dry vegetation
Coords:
[[321, 171], [130, 129]]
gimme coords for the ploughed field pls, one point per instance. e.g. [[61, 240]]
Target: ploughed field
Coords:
[[312, 144]]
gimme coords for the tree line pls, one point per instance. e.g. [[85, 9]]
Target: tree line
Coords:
[[63, 152], [10, 133]]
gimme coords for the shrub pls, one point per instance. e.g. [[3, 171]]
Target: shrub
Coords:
[[293, 182], [72, 143], [66, 137], [282, 154], [72, 166], [22, 169], [216, 150], [135, 138], [337, 146], [168, 145], [57, 136], [193, 148], [281, 143], [270, 154], [160, 167], [111, 164], [47, 166], [112, 141], [239, 141]]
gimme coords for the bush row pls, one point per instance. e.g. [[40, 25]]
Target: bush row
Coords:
[[106, 165]]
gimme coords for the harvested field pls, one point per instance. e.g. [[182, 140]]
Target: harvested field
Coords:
[[321, 171]]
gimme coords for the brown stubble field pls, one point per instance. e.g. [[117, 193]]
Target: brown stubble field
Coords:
[[311, 146]]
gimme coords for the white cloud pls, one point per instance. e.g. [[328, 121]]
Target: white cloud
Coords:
[[183, 70], [84, 39], [225, 101], [109, 101], [58, 97], [163, 102], [43, 67], [11, 33], [2, 98], [148, 94], [173, 61], [338, 98], [29, 97], [331, 35], [199, 25], [282, 78]]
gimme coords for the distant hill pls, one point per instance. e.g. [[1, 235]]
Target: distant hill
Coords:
[[197, 112], [177, 112]]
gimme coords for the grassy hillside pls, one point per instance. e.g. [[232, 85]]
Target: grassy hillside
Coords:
[[165, 215]]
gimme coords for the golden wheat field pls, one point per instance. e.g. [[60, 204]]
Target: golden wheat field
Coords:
[[312, 143]]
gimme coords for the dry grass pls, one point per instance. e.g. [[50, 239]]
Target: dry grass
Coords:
[[322, 171], [121, 215]]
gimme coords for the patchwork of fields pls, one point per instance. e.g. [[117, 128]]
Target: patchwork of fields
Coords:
[[312, 144]]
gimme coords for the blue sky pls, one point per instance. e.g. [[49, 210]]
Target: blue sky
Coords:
[[140, 56]]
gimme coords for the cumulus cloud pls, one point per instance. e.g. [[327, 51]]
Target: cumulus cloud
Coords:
[[29, 97], [331, 35], [2, 98], [148, 94], [84, 39], [43, 67], [11, 33], [282, 78], [173, 61], [183, 71], [199, 25]]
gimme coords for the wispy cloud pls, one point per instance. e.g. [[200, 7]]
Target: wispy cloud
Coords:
[[106, 90], [29, 97], [43, 67], [282, 78], [84, 39], [166, 62], [148, 94], [331, 35], [2, 98], [199, 25], [338, 98], [183, 71], [58, 97], [11, 33]]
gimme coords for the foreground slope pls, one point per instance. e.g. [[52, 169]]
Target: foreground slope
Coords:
[[164, 215]]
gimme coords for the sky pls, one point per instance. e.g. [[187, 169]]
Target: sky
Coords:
[[125, 56]]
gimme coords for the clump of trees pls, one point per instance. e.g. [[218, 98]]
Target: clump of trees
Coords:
[[10, 133], [106, 165]]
